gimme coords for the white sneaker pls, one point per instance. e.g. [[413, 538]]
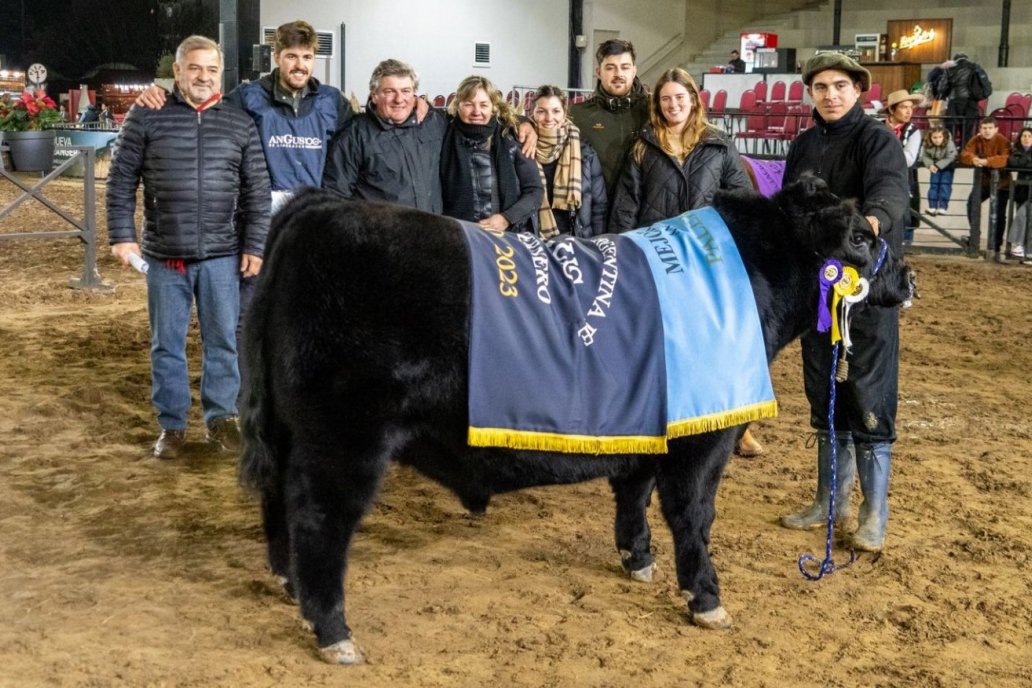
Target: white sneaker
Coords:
[[931, 211], [1018, 251]]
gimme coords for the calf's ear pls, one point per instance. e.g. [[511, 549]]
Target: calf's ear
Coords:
[[812, 184]]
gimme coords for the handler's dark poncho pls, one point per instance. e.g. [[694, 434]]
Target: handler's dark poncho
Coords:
[[860, 158], [614, 344]]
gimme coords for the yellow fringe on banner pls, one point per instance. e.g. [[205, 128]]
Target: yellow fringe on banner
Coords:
[[622, 444], [567, 444], [725, 419]]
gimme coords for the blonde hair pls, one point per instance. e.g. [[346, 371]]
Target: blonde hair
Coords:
[[468, 88]]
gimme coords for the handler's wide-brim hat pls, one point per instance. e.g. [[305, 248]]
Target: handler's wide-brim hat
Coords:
[[843, 63], [897, 97]]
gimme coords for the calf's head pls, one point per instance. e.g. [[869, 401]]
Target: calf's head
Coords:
[[834, 228]]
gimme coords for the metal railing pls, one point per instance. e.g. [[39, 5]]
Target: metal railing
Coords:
[[85, 227]]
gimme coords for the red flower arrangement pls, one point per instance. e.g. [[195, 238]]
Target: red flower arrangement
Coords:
[[30, 112]]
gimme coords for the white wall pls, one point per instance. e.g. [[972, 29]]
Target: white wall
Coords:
[[653, 27], [528, 39]]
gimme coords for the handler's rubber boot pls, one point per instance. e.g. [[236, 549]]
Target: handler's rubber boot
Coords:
[[873, 462], [816, 514]]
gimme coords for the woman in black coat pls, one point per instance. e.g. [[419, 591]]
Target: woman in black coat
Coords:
[[485, 178], [575, 201], [678, 162]]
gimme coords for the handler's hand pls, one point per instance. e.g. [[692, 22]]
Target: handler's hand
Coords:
[[124, 249], [496, 222], [527, 135], [153, 97], [422, 109], [875, 225], [250, 265]]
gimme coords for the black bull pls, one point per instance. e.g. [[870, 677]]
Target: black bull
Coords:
[[355, 354]]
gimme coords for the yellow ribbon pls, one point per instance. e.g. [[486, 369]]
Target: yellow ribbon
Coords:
[[844, 287]]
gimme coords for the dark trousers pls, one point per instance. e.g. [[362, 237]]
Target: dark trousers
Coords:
[[980, 193], [967, 112]]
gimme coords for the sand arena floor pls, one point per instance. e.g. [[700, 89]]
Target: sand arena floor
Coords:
[[116, 569]]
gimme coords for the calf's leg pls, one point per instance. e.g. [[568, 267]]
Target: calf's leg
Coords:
[[687, 482], [633, 494], [327, 495], [277, 535]]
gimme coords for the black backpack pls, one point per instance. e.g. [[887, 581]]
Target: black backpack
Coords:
[[979, 85]]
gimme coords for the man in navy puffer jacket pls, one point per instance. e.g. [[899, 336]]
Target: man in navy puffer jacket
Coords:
[[201, 163]]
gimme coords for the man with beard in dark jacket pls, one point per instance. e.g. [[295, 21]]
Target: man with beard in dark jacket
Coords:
[[616, 112], [201, 164], [861, 159]]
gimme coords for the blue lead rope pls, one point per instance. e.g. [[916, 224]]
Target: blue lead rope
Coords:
[[828, 566]]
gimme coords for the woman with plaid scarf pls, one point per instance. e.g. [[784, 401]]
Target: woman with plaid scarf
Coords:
[[575, 201]]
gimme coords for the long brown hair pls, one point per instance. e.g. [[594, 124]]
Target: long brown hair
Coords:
[[697, 123]]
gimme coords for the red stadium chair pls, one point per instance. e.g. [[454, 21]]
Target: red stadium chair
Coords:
[[777, 91], [439, 101], [795, 92], [760, 89]]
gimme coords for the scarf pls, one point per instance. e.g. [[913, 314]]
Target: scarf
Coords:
[[456, 175], [562, 145]]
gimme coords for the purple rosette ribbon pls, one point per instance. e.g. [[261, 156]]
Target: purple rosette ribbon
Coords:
[[831, 272]]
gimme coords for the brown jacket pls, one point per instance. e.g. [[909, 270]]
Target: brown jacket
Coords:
[[995, 150]]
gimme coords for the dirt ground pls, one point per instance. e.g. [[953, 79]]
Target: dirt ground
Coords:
[[119, 570]]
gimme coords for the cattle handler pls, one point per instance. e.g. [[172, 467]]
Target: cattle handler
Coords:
[[859, 158]]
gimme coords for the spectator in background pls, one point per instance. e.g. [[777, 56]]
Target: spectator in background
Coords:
[[939, 155], [678, 162], [937, 83], [485, 177], [899, 111], [736, 63], [962, 106], [986, 151], [104, 116], [575, 200], [201, 232], [1021, 157], [617, 110], [90, 114]]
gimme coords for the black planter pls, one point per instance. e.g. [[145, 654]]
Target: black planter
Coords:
[[31, 151]]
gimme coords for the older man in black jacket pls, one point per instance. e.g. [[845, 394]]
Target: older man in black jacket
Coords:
[[200, 163], [859, 158]]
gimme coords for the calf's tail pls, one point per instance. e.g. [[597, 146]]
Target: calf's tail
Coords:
[[262, 433]]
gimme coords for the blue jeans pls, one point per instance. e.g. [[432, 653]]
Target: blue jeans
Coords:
[[214, 284], [940, 189]]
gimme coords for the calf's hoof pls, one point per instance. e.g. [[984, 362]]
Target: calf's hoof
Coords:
[[643, 575], [342, 652], [715, 619]]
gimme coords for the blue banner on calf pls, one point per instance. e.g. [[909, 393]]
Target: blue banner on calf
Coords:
[[613, 344]]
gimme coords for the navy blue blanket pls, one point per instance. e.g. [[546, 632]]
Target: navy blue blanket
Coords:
[[614, 344]]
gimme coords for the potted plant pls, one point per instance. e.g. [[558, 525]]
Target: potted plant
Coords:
[[24, 124]]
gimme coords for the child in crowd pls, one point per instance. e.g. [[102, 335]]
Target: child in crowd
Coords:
[[1021, 157], [938, 155]]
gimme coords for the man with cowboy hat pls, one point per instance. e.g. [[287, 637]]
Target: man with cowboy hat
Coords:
[[899, 110], [859, 158]]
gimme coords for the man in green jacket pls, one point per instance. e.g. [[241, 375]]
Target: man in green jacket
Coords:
[[619, 108]]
